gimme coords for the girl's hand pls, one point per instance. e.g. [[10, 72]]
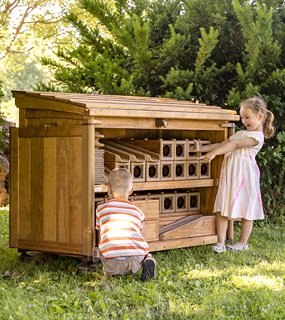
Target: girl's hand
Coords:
[[195, 147], [208, 157]]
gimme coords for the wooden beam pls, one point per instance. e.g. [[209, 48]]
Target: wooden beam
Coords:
[[181, 243]]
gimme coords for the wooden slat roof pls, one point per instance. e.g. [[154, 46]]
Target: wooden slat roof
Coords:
[[128, 106]]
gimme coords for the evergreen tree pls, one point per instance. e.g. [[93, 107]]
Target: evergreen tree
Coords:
[[218, 52]]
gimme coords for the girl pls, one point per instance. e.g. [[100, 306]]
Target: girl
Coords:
[[239, 191]]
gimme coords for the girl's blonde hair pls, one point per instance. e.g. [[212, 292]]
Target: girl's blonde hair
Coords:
[[257, 105]]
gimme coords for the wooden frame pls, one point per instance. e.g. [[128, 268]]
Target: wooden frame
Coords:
[[53, 159]]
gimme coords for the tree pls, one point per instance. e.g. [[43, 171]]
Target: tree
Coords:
[[27, 24], [219, 53]]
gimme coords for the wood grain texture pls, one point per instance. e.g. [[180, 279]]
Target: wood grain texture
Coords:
[[14, 189]]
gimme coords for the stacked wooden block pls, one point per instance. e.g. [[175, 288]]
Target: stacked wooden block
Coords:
[[99, 176], [157, 160], [173, 206]]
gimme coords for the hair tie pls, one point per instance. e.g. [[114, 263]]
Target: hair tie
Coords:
[[266, 110]]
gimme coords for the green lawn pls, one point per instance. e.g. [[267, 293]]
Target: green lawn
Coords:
[[191, 283]]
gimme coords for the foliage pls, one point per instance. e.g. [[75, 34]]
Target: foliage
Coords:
[[219, 53], [22, 72], [28, 24], [191, 283]]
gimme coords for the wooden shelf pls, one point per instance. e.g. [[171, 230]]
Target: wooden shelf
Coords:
[[184, 184]]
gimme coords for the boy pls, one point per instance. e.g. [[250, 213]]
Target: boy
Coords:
[[122, 248]]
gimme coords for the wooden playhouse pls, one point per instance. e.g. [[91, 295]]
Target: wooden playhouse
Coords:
[[67, 143]]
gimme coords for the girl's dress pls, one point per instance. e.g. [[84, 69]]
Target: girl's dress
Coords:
[[239, 189]]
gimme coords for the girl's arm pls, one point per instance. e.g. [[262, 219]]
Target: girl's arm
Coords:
[[229, 147], [207, 148]]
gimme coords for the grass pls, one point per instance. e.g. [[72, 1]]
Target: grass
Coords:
[[191, 283]]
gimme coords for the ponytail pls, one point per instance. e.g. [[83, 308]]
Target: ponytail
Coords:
[[268, 128]]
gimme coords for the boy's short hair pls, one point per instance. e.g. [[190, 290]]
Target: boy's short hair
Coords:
[[121, 181]]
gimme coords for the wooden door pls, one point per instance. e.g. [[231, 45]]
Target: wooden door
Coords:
[[46, 189]]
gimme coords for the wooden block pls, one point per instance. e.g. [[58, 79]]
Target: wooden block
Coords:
[[181, 202], [138, 171], [193, 201], [205, 170], [166, 170], [150, 208], [192, 169], [180, 150], [167, 203], [156, 197], [191, 227], [189, 154], [138, 151], [180, 170], [152, 171], [141, 197], [113, 165], [165, 148], [150, 231]]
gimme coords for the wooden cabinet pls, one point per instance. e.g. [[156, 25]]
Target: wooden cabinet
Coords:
[[53, 176]]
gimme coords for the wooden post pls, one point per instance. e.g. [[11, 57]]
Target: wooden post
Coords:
[[88, 214], [14, 188]]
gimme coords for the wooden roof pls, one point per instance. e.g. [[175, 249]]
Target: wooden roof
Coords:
[[120, 106]]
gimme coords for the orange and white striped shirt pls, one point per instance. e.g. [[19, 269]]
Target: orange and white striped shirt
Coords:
[[120, 223]]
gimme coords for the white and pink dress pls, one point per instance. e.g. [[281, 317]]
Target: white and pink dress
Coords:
[[239, 188]]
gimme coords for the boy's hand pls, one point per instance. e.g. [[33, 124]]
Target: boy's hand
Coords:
[[195, 147], [208, 157]]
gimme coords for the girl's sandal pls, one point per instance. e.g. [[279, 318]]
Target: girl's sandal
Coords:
[[238, 247], [218, 248]]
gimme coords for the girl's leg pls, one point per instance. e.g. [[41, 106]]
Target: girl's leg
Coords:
[[222, 225], [246, 227]]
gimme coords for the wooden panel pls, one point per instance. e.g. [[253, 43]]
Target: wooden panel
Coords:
[[150, 231], [150, 208], [88, 214], [49, 246], [142, 186], [50, 190], [37, 181], [121, 113], [27, 102], [64, 157], [34, 113], [181, 243], [148, 123], [14, 189], [75, 190], [50, 131], [24, 190], [200, 227]]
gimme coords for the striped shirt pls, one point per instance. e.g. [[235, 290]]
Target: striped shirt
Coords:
[[120, 224]]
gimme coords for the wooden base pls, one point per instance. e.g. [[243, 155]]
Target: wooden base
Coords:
[[181, 243]]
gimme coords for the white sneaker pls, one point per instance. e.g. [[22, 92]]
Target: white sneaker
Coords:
[[238, 247], [218, 248]]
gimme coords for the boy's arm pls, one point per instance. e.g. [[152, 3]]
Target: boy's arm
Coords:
[[229, 147]]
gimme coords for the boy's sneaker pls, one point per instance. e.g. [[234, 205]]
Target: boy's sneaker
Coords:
[[238, 247], [148, 269], [218, 248]]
